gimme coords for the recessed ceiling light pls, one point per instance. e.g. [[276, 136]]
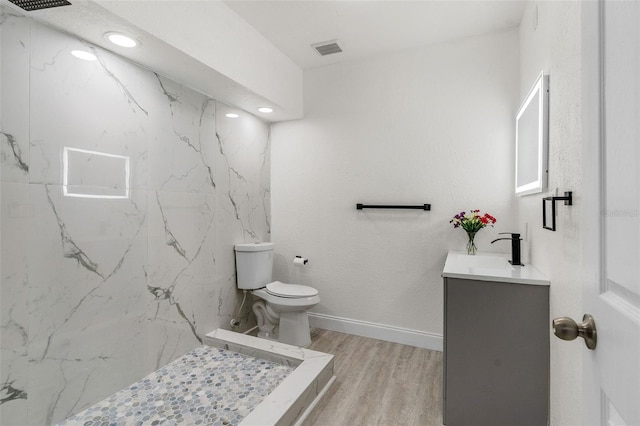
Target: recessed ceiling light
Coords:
[[84, 55], [265, 109], [232, 115], [121, 39]]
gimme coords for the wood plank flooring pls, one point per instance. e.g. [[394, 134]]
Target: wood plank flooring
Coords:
[[378, 383]]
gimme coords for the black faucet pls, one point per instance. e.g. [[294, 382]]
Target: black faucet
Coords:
[[515, 247]]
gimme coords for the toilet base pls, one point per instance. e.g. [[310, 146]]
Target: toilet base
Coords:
[[286, 327], [294, 329]]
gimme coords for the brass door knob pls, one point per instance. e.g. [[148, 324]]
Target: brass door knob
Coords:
[[566, 329]]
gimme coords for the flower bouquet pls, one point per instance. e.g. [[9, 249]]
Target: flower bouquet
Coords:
[[472, 222]]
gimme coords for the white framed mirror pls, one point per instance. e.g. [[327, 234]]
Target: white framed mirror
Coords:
[[532, 139]]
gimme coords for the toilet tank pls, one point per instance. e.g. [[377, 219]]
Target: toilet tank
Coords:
[[254, 265]]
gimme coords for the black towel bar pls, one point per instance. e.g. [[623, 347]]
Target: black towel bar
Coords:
[[383, 206]]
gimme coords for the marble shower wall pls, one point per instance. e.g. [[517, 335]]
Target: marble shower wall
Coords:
[[122, 196]]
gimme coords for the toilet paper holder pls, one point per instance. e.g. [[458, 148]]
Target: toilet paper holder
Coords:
[[299, 260]]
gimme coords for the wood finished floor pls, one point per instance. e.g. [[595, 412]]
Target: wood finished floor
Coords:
[[378, 383]]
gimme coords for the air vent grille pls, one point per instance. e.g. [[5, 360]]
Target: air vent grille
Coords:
[[30, 5], [327, 47]]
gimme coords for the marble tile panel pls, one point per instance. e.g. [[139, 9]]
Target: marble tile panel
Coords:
[[97, 363], [181, 232], [102, 106], [243, 209], [14, 97], [168, 339], [228, 301], [87, 299], [181, 272], [182, 129], [243, 202], [14, 320], [242, 171]]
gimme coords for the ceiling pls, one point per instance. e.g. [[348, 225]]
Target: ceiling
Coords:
[[366, 28]]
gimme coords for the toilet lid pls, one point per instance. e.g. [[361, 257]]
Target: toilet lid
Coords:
[[279, 289]]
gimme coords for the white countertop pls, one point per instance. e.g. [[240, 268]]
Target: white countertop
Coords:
[[491, 267]]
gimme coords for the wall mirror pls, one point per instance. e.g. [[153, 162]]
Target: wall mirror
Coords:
[[532, 139]]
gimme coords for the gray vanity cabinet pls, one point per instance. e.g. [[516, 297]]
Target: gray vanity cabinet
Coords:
[[496, 353]]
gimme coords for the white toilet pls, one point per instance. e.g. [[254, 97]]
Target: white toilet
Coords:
[[282, 308]]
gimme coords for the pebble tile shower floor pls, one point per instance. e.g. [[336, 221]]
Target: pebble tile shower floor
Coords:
[[207, 386]]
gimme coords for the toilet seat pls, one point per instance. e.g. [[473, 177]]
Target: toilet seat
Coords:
[[291, 291]]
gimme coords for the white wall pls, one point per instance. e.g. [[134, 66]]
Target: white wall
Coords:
[[432, 125], [555, 47]]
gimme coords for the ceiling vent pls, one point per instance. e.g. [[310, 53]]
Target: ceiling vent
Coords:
[[327, 47], [30, 5]]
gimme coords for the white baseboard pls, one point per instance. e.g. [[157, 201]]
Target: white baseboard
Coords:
[[406, 336]]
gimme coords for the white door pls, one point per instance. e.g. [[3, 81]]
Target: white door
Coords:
[[612, 137]]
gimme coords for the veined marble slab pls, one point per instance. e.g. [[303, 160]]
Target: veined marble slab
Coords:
[[123, 194], [297, 395]]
